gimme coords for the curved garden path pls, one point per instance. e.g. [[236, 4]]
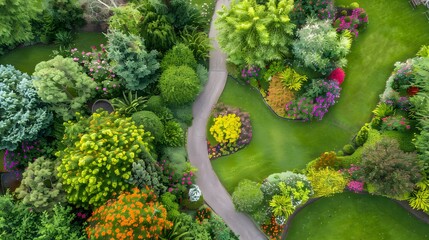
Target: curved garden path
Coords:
[[214, 193]]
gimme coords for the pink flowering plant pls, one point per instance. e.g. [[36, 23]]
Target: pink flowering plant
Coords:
[[96, 65], [396, 122], [177, 182], [352, 173], [19, 158], [323, 9], [355, 22]]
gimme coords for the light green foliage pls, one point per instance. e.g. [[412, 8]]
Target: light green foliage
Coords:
[[179, 231], [179, 55], [174, 135], [348, 149], [362, 135], [320, 47], [150, 122], [421, 73], [146, 172], [98, 158], [420, 103], [17, 222], [157, 32], [326, 182], [62, 83], [197, 41], [22, 114], [184, 13], [424, 51], [15, 20], [255, 34], [131, 61], [170, 203], [292, 80], [247, 196], [129, 104], [382, 110], [292, 195], [196, 230], [405, 139], [126, 19], [179, 85], [419, 198], [177, 159], [270, 186], [282, 206], [40, 188], [354, 5], [391, 171]]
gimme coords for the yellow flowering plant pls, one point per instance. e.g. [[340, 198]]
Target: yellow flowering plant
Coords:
[[226, 128]]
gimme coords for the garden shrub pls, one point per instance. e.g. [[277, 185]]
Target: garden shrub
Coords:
[[169, 201], [327, 159], [129, 104], [347, 161], [179, 85], [203, 75], [183, 13], [325, 50], [188, 204], [278, 96], [419, 198], [405, 140], [357, 21], [354, 5], [97, 161], [226, 128], [174, 136], [219, 230], [270, 186], [423, 51], [396, 122], [61, 83], [247, 196], [391, 171], [177, 159], [362, 135], [96, 65], [348, 149], [147, 173], [134, 215], [40, 187], [137, 66], [183, 114], [337, 75], [126, 19], [157, 31], [195, 229], [272, 23], [281, 205], [23, 115], [198, 42], [150, 122], [323, 9], [291, 79], [326, 182], [178, 56]]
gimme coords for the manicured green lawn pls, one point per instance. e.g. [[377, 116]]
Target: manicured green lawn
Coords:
[[356, 217], [26, 58], [395, 33]]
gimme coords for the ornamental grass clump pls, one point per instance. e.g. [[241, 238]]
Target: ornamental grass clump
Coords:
[[97, 161], [135, 215]]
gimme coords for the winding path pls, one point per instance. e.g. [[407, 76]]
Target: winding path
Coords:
[[214, 193]]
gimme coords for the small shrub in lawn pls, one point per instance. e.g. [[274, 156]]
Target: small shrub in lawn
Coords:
[[348, 149]]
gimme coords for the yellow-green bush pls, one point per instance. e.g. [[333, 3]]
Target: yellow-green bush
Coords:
[[326, 182], [98, 159], [226, 128]]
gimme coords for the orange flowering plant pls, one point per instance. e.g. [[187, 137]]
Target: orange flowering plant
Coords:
[[135, 215]]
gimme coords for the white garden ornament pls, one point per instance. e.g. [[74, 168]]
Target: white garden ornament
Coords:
[[194, 193]]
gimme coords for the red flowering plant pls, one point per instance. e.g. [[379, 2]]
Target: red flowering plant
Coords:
[[398, 123], [337, 75], [96, 65]]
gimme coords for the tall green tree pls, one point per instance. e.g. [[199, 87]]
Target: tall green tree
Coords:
[[255, 34], [15, 20]]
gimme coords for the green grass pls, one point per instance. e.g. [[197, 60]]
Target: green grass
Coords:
[[395, 33], [26, 58], [351, 216]]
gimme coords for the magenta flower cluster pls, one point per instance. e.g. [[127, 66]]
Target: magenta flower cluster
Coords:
[[19, 158], [307, 109], [357, 20], [250, 71], [355, 186], [177, 182], [96, 65]]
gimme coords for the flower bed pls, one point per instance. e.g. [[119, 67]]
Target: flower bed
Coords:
[[223, 131]]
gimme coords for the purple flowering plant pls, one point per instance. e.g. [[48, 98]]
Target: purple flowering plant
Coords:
[[96, 65], [355, 184], [358, 20]]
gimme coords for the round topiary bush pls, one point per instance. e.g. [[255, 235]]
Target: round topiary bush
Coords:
[[354, 5], [179, 55], [150, 122], [179, 85], [348, 149]]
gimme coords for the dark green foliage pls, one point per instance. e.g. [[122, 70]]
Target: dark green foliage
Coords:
[[179, 85], [131, 61], [64, 39], [196, 230], [348, 149], [157, 32], [18, 222], [318, 8], [247, 196], [219, 230], [22, 113], [40, 187], [146, 172], [156, 104], [188, 204], [405, 139], [179, 231], [129, 103], [198, 42], [183, 13], [174, 135], [177, 159], [15, 20], [202, 74], [391, 171], [179, 55], [170, 203], [184, 114], [150, 122]]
